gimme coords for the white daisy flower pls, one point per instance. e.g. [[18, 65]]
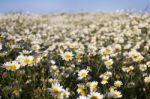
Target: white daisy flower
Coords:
[[14, 65], [67, 56], [95, 95], [147, 79], [115, 93], [82, 73], [56, 89]]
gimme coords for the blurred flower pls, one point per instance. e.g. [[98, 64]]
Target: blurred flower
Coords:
[[147, 79], [115, 94], [95, 95], [67, 56], [56, 89], [118, 83], [14, 65], [1, 46], [82, 73], [82, 97]]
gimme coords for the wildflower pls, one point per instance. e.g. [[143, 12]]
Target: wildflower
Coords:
[[20, 58], [27, 60], [35, 47], [108, 63], [95, 95], [26, 52], [105, 76], [148, 63], [81, 89], [115, 94], [142, 67], [53, 81], [133, 54], [127, 69], [65, 94], [82, 73], [103, 51], [117, 83], [14, 65], [52, 62], [36, 60], [43, 54], [54, 69], [136, 56], [117, 47], [139, 58], [108, 50], [147, 79], [92, 85], [105, 58], [104, 81], [56, 89], [67, 56]]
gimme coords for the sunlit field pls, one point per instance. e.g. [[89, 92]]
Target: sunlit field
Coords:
[[75, 56]]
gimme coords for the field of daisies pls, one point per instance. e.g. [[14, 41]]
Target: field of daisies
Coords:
[[75, 56]]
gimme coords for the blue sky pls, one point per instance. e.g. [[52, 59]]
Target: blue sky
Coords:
[[45, 6]]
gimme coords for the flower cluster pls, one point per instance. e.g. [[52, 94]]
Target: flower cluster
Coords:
[[75, 56]]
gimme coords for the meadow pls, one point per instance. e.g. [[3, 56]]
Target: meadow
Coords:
[[75, 56]]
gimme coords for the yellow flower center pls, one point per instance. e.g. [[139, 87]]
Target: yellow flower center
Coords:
[[108, 63], [27, 60], [67, 56], [13, 67], [94, 97], [108, 50], [114, 94], [54, 90], [83, 74]]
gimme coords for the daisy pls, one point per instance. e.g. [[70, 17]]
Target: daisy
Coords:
[[14, 65], [54, 69], [147, 79], [65, 94], [52, 62], [27, 60], [81, 89], [109, 50], [115, 94], [35, 47], [93, 85], [142, 67], [117, 47], [82, 73], [25, 52], [103, 51], [67, 56], [108, 63], [56, 89], [20, 58], [148, 63], [104, 81], [95, 95], [133, 54], [53, 81], [118, 83]]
